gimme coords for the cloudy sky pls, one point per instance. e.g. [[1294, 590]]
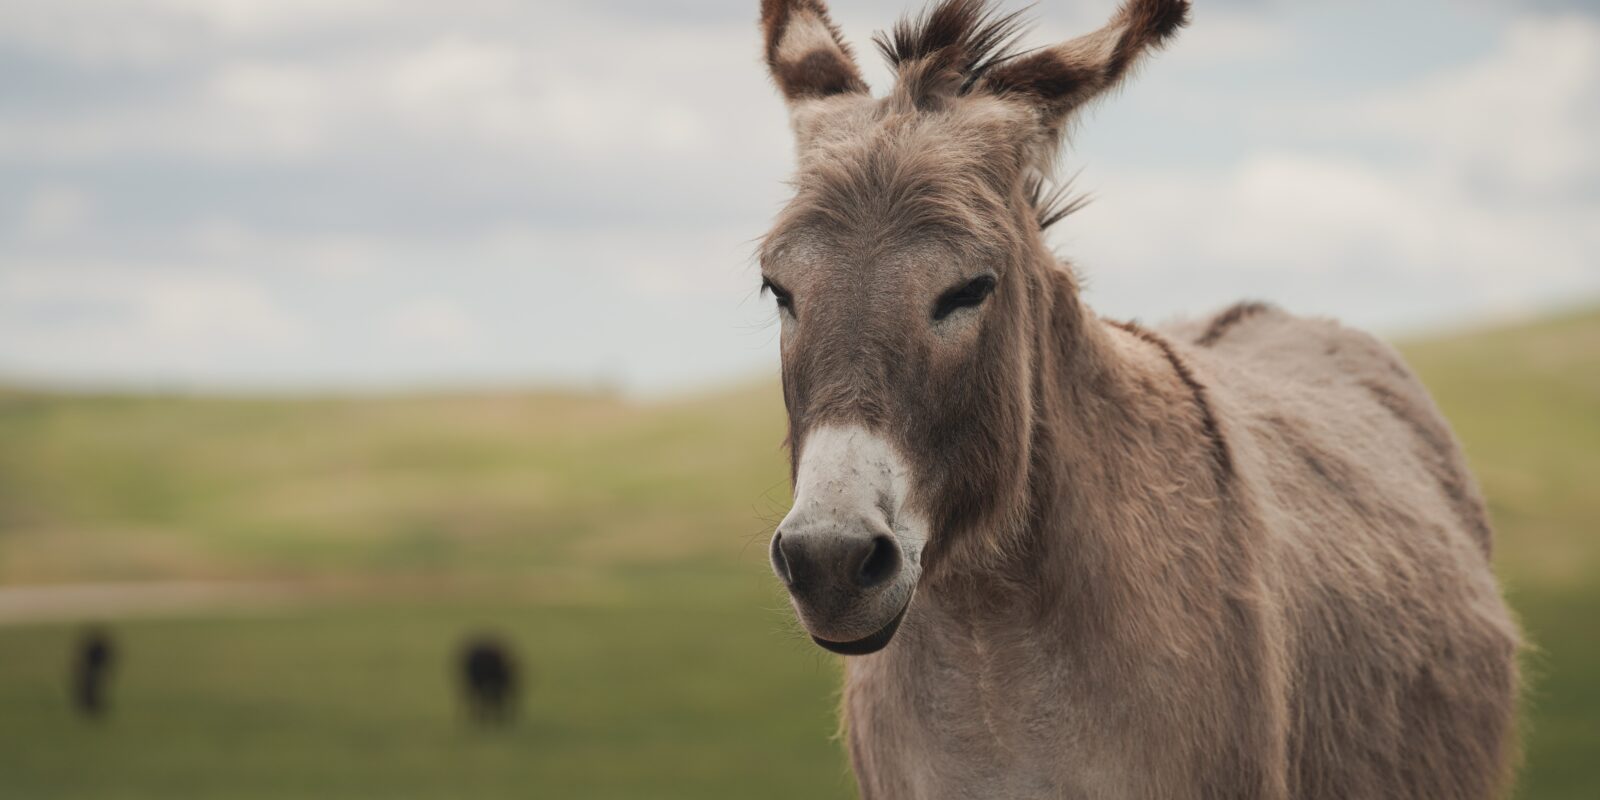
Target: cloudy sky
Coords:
[[299, 194]]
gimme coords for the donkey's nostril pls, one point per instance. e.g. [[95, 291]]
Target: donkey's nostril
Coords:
[[780, 563], [881, 564]]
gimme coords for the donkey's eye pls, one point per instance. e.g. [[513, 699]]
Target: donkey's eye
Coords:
[[781, 295], [972, 293]]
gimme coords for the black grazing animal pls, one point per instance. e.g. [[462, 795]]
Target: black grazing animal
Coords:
[[488, 673], [92, 663]]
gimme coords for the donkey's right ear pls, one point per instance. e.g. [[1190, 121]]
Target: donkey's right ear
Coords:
[[1057, 81], [807, 57]]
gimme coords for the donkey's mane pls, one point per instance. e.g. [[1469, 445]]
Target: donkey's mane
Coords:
[[1053, 202], [950, 45], [945, 51]]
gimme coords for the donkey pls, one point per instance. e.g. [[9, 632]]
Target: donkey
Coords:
[[1240, 557], [94, 660], [488, 672]]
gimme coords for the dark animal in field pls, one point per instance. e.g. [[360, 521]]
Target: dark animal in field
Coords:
[[1078, 558], [489, 680], [93, 661]]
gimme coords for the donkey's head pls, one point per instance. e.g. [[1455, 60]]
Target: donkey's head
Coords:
[[913, 287]]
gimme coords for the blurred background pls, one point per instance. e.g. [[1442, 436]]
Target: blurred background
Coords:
[[338, 334]]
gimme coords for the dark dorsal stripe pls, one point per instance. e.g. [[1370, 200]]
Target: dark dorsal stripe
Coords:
[[1221, 456], [1227, 319]]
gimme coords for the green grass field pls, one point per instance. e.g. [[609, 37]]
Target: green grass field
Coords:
[[620, 545]]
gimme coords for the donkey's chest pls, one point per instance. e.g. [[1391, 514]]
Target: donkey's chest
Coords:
[[954, 721]]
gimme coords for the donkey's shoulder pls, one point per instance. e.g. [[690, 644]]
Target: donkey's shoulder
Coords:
[[1297, 382]]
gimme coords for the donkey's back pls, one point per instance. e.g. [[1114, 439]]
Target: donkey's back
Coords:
[[1401, 649]]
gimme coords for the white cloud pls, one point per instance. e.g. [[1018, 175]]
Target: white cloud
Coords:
[[55, 211], [86, 319], [1494, 207], [142, 33], [1322, 217], [546, 100], [430, 322], [1526, 118], [647, 99], [346, 257], [1225, 36], [254, 18], [267, 108], [650, 309], [190, 309]]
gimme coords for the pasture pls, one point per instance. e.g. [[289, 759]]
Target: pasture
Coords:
[[620, 545]]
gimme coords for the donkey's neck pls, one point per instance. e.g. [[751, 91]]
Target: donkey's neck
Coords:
[[1124, 450]]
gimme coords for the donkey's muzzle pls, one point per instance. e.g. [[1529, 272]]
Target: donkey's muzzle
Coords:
[[843, 580], [847, 550]]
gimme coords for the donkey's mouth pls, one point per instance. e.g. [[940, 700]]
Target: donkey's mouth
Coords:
[[869, 644]]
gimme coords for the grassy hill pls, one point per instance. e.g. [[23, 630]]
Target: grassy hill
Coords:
[[119, 488], [620, 545]]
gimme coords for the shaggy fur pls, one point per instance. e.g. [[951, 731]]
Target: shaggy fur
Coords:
[[1241, 558]]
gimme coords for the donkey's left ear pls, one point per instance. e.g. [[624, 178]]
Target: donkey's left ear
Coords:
[[1058, 80], [808, 58]]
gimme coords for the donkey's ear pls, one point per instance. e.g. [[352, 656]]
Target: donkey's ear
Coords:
[[1058, 80], [807, 57]]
